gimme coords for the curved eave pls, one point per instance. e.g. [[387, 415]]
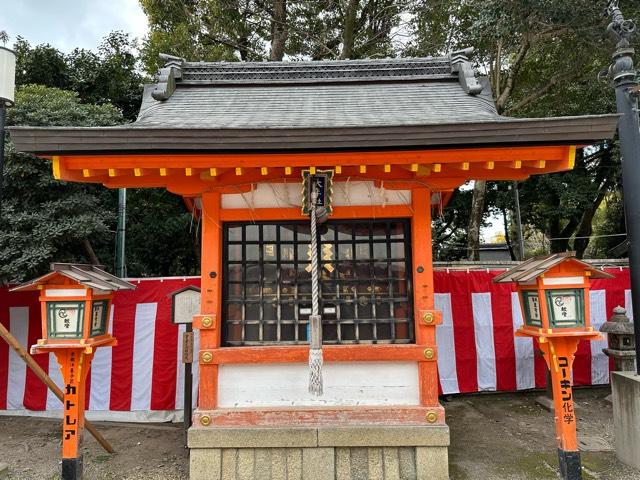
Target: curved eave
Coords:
[[140, 138]]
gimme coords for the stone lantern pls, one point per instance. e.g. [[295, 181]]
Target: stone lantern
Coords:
[[622, 340]]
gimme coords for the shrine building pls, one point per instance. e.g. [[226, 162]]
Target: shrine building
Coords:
[[393, 138]]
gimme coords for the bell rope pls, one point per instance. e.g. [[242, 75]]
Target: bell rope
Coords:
[[315, 320]]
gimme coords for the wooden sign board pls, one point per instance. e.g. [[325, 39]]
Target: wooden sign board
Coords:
[[185, 304], [187, 347]]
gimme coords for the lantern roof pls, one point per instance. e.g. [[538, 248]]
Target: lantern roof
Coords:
[[534, 267], [397, 103], [88, 275]]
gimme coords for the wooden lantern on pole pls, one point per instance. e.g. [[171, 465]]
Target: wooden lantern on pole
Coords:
[[554, 298], [75, 304]]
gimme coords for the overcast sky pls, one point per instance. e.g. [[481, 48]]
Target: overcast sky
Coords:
[[67, 24]]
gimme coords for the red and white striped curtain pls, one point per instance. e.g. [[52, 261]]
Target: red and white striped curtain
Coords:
[[476, 345]]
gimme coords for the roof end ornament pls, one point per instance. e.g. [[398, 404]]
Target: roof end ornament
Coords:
[[466, 76], [167, 76]]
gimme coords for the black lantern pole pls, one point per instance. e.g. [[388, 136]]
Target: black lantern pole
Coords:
[[623, 75], [7, 92], [3, 117]]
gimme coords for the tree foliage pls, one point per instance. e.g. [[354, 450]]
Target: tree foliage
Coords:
[[44, 219], [543, 58], [108, 76], [270, 29]]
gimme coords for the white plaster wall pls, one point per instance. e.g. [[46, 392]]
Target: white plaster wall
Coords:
[[283, 195], [345, 384]]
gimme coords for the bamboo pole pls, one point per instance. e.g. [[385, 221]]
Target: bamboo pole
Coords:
[[42, 375]]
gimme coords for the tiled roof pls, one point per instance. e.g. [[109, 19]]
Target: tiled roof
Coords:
[[320, 94], [320, 105]]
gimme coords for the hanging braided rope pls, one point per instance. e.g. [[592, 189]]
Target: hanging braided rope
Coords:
[[315, 320]]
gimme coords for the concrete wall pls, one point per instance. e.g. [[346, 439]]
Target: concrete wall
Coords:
[[626, 416], [319, 453]]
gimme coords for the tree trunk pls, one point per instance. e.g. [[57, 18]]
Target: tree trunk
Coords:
[[586, 222], [91, 254], [507, 236], [559, 238], [348, 34], [475, 220], [278, 30]]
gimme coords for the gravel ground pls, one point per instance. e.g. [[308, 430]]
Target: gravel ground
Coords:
[[493, 436]]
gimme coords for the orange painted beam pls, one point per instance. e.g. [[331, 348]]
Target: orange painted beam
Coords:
[[331, 353], [324, 160], [210, 294], [148, 171], [313, 416], [423, 292], [226, 183]]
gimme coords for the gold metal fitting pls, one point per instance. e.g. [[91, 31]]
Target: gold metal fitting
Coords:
[[427, 318], [207, 357], [205, 420], [432, 417], [207, 322], [429, 353]]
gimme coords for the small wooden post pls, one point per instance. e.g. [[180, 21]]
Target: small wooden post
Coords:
[[559, 355], [75, 363], [187, 359]]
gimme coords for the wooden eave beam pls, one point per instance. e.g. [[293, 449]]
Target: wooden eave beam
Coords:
[[321, 160], [192, 174]]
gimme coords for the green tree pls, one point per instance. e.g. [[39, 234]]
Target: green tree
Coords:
[[45, 219], [270, 29], [107, 80], [42, 65], [609, 223], [450, 227], [543, 57], [205, 30], [162, 236], [108, 76]]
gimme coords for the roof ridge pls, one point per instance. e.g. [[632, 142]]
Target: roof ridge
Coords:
[[296, 63], [452, 66]]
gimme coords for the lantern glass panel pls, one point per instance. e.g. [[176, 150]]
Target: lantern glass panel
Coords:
[[531, 304], [566, 308], [99, 317], [65, 319]]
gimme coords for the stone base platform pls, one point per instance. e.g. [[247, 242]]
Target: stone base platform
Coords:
[[353, 452]]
